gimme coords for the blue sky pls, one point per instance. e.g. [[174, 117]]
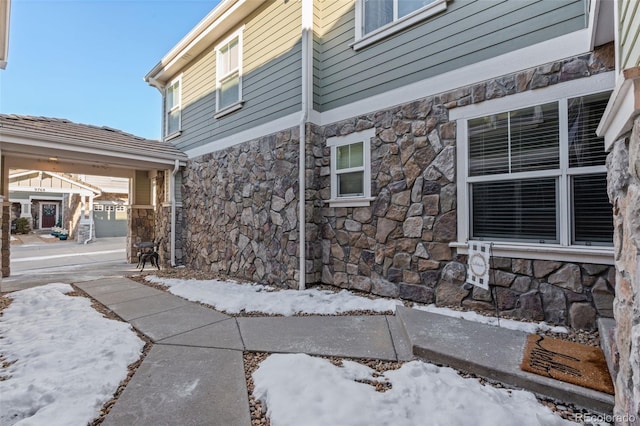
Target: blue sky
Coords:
[[84, 60]]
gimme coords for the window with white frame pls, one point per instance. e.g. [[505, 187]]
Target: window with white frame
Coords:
[[351, 168], [173, 110], [229, 73], [376, 19], [538, 175]]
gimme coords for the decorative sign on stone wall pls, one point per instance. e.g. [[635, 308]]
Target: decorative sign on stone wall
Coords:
[[479, 258]]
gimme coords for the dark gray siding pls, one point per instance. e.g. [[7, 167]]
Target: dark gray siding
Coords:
[[467, 32], [271, 86]]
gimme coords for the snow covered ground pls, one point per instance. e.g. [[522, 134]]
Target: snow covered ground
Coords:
[[69, 359], [302, 390], [233, 297]]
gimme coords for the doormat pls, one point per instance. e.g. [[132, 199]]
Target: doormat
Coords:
[[569, 362]]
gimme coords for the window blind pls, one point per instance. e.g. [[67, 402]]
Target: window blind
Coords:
[[517, 141], [592, 213], [584, 114], [523, 210]]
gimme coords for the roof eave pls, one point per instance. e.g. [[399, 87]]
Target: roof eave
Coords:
[[219, 21], [24, 137]]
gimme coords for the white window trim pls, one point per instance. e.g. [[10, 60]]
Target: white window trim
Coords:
[[219, 77], [563, 251], [364, 40], [334, 142], [178, 107]]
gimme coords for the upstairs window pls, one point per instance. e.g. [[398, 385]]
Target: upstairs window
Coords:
[[229, 74], [173, 110], [538, 174], [378, 13], [351, 169], [377, 19]]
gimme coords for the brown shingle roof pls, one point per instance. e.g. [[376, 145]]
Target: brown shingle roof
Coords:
[[78, 135]]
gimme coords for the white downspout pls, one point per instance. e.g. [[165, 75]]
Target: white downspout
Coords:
[[91, 218], [172, 191], [307, 46]]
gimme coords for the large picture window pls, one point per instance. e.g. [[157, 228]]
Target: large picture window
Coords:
[[229, 73], [538, 174], [173, 110]]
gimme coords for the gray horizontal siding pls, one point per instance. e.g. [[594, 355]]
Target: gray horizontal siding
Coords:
[[468, 32], [271, 81], [629, 34]]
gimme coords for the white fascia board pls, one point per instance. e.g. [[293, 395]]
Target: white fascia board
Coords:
[[64, 144], [572, 44], [55, 176], [72, 182], [221, 19], [45, 190], [623, 107], [289, 121]]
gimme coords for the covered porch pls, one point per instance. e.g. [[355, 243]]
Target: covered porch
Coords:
[[60, 146]]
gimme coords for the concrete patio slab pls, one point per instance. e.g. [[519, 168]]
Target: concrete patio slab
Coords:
[[126, 295], [104, 281], [178, 385], [143, 307], [223, 334], [348, 336], [401, 342], [184, 318], [491, 352], [99, 287]]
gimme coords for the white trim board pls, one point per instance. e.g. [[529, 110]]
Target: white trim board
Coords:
[[573, 44], [289, 121]]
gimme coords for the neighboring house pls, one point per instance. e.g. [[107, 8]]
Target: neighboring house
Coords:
[[423, 125], [50, 199], [5, 13]]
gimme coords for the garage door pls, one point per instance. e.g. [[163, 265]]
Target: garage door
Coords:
[[110, 220]]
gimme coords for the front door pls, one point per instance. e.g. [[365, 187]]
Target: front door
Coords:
[[49, 215]]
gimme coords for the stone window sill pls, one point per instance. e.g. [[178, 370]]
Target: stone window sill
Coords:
[[595, 255], [350, 202]]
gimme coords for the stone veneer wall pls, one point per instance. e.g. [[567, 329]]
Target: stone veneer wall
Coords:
[[399, 246], [624, 192], [141, 228], [241, 210], [163, 226]]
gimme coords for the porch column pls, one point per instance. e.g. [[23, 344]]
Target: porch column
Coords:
[[5, 221], [141, 214]]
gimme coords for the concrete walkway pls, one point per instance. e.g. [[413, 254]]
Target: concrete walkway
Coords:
[[194, 374]]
